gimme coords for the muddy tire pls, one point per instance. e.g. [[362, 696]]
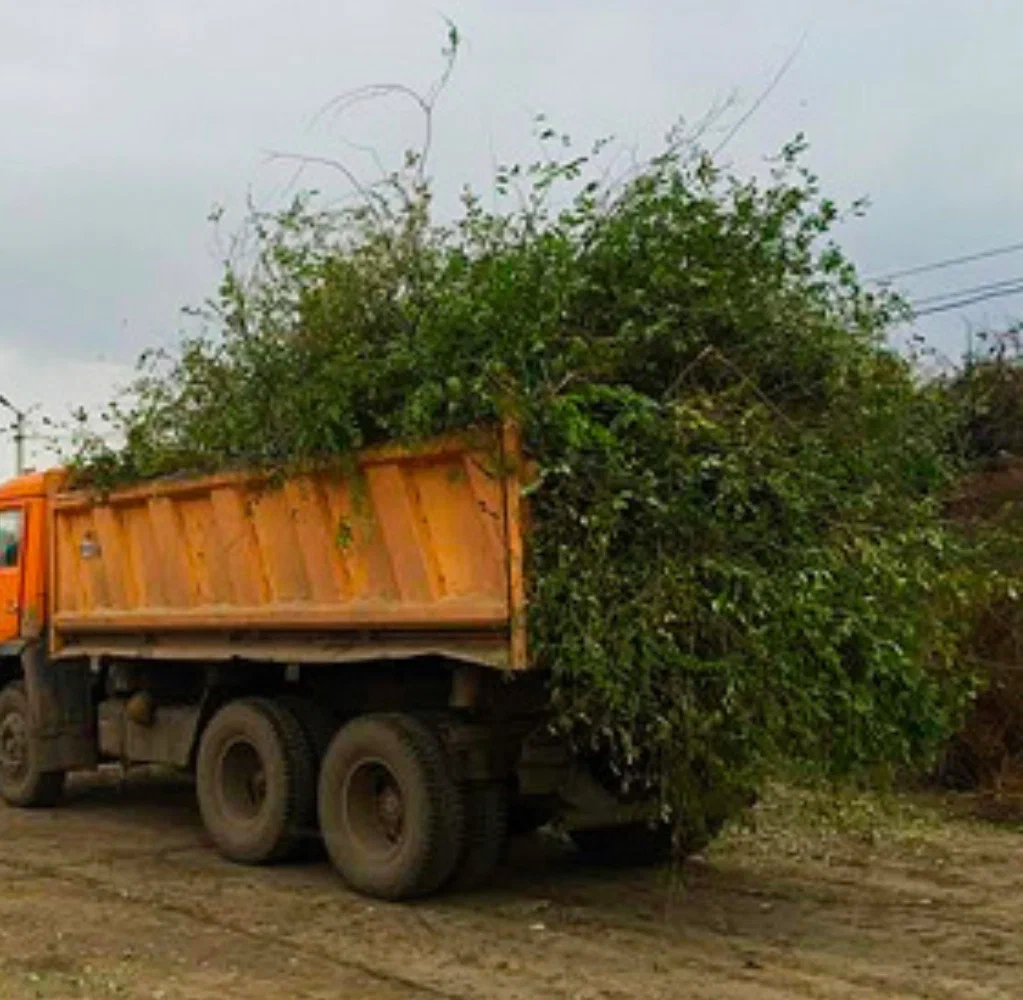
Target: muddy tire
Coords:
[[316, 722], [391, 815], [22, 783], [318, 727], [486, 833], [525, 817], [637, 844], [255, 782], [632, 845]]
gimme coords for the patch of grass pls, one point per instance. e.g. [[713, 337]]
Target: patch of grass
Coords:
[[843, 825]]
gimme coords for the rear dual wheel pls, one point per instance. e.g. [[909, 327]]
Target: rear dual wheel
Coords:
[[255, 781], [625, 846], [395, 822], [391, 814], [486, 833], [638, 844]]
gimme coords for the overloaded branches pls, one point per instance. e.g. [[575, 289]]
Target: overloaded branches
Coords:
[[739, 555]]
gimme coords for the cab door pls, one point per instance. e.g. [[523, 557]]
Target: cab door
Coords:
[[12, 540]]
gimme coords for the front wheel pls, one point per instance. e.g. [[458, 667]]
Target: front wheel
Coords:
[[391, 815], [22, 782]]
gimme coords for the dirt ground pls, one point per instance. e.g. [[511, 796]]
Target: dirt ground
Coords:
[[117, 894]]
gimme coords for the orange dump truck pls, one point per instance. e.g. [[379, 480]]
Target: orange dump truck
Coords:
[[335, 655]]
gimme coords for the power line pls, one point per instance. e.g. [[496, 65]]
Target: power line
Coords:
[[969, 301], [939, 265], [972, 290]]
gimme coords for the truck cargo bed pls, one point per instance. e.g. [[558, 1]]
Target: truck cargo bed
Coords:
[[407, 540]]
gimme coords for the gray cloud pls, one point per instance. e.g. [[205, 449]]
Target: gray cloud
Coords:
[[123, 121]]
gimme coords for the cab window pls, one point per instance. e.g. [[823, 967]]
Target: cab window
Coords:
[[10, 537]]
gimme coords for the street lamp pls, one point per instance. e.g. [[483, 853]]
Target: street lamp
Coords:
[[19, 434]]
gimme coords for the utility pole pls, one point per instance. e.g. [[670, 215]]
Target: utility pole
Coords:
[[19, 434]]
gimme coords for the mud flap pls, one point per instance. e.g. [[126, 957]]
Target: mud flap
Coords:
[[60, 708]]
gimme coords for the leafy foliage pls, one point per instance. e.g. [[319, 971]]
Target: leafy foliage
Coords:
[[738, 555], [987, 392]]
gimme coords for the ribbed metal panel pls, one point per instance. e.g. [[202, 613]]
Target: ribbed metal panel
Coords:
[[411, 540]]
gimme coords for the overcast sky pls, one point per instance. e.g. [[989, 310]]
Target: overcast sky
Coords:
[[125, 121]]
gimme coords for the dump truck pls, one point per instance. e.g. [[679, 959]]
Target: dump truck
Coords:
[[339, 653]]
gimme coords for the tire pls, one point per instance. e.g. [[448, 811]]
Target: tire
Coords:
[[316, 722], [318, 727], [254, 780], [525, 817], [634, 845], [631, 845], [22, 783], [391, 815], [486, 832]]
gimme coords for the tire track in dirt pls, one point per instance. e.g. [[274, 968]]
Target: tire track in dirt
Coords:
[[934, 917], [736, 966], [79, 880]]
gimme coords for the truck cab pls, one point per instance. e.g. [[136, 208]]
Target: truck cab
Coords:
[[40, 736], [24, 510]]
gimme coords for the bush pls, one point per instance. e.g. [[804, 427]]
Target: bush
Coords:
[[987, 752], [988, 393], [738, 556]]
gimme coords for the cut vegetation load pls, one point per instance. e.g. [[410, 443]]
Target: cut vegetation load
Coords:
[[600, 504]]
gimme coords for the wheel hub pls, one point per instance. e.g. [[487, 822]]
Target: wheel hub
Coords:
[[243, 781], [256, 787], [390, 810], [375, 807]]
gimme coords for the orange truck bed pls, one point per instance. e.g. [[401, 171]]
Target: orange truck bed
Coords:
[[423, 541]]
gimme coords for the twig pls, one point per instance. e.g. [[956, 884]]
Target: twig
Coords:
[[765, 94], [371, 196], [680, 377]]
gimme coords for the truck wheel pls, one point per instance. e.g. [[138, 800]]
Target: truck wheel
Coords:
[[22, 783], [486, 831], [626, 846], [254, 779], [316, 722], [525, 817], [391, 815], [318, 727]]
